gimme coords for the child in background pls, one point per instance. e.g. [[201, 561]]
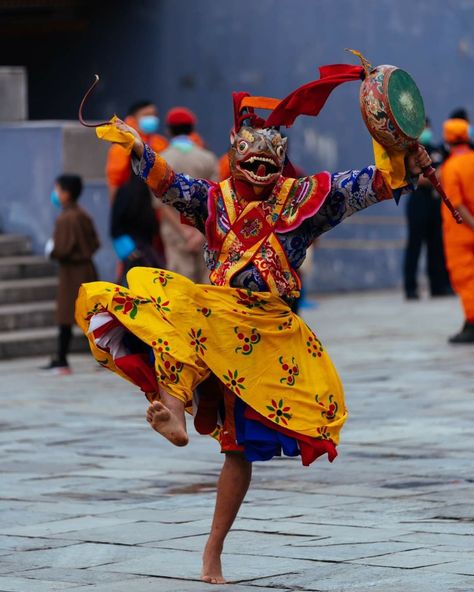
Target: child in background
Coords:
[[74, 242]]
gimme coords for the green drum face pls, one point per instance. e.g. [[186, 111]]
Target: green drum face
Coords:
[[392, 107], [406, 104]]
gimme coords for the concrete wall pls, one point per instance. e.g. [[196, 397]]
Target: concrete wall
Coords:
[[13, 93], [32, 155]]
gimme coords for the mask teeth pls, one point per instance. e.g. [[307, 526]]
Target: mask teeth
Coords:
[[261, 158]]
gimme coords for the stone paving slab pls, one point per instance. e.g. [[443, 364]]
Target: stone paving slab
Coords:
[[441, 527], [431, 539], [78, 576], [238, 542], [412, 558], [164, 515], [311, 531], [145, 584], [56, 526], [12, 543], [325, 577], [135, 533], [27, 517], [238, 568], [282, 546], [18, 584], [77, 556], [86, 486]]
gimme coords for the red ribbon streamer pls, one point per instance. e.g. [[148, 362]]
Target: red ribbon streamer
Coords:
[[310, 98]]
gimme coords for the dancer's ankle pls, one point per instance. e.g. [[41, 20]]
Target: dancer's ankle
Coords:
[[214, 546]]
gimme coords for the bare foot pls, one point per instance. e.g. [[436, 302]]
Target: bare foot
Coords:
[[165, 423], [211, 566]]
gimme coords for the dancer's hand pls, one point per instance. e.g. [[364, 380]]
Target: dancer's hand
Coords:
[[138, 146], [417, 160]]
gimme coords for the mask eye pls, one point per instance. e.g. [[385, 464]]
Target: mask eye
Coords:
[[280, 151], [242, 146]]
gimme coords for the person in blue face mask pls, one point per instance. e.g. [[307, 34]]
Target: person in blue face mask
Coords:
[[423, 210], [72, 246], [184, 244], [143, 117]]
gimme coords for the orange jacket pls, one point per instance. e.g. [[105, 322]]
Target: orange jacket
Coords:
[[117, 169], [197, 139], [457, 178]]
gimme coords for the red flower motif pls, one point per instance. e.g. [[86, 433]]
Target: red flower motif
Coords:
[[171, 371], [234, 382], [324, 434], [97, 308], [197, 341], [314, 346], [161, 345], [291, 370], [278, 412], [248, 341], [127, 304], [286, 324], [330, 411], [249, 299], [162, 306], [161, 276]]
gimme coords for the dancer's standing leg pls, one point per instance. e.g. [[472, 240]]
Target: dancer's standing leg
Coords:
[[232, 486]]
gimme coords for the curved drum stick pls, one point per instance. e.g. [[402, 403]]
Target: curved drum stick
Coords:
[[83, 102]]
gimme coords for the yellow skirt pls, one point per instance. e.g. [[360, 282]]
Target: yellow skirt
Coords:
[[251, 341]]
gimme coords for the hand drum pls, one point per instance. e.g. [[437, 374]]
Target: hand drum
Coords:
[[393, 111], [392, 107]]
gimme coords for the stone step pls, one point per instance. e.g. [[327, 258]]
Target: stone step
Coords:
[[25, 266], [28, 290], [27, 315], [14, 244], [37, 342]]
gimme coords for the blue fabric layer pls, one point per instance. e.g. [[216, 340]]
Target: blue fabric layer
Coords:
[[259, 441]]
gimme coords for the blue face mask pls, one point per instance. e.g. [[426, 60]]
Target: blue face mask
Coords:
[[149, 124], [182, 143], [426, 137], [55, 201]]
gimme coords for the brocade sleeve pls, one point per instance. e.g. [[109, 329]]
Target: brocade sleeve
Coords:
[[351, 191], [187, 195]]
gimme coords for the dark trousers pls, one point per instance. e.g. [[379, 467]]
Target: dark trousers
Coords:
[[425, 228], [64, 343]]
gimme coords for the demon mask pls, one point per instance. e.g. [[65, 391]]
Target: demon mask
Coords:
[[257, 155]]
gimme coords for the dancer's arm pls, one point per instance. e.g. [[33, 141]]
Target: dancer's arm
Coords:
[[353, 191], [187, 195]]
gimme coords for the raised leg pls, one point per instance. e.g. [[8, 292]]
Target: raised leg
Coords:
[[232, 486], [166, 416]]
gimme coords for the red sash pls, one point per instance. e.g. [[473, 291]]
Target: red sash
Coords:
[[251, 237]]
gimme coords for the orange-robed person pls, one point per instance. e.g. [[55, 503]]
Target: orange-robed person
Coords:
[[142, 117], [457, 177]]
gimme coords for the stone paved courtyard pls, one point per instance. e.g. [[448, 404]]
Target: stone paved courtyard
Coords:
[[92, 500]]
